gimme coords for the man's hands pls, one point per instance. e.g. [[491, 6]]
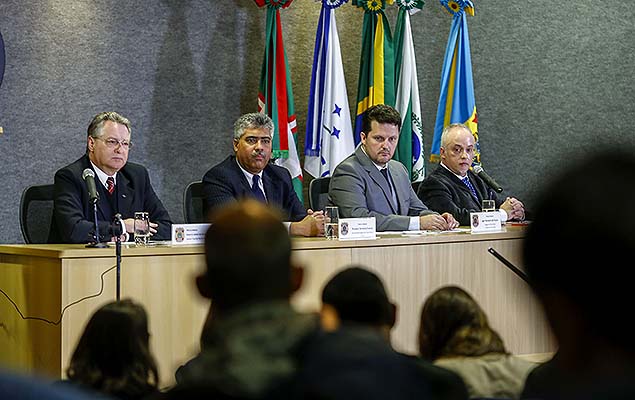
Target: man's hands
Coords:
[[514, 209], [441, 222], [311, 225]]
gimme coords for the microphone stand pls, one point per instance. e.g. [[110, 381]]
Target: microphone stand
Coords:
[[116, 230], [97, 244], [509, 265]]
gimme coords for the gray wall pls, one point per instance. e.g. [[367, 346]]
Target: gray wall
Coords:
[[551, 79]]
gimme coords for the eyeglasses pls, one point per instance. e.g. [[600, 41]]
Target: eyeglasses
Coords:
[[112, 143]]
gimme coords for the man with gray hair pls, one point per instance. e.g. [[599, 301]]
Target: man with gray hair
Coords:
[[123, 187], [248, 174]]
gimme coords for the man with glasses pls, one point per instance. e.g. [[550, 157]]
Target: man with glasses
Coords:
[[454, 188], [248, 174], [124, 188]]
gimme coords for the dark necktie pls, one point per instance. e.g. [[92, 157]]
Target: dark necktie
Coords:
[[255, 189], [467, 183], [384, 172], [110, 183]]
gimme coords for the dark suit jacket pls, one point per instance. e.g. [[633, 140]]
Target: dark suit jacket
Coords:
[[443, 192], [226, 182], [360, 190], [73, 215]]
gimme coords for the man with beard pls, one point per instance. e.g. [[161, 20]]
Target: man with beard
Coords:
[[370, 184]]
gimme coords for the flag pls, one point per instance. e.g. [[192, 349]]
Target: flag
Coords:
[[275, 96], [376, 83], [456, 99], [329, 132], [410, 147]]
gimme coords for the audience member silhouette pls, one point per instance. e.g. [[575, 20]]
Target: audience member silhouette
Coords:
[[576, 254], [455, 334], [113, 354], [355, 300], [252, 336]]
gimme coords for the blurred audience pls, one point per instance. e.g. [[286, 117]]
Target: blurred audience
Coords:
[[252, 338], [113, 354], [355, 300], [576, 256], [455, 334]]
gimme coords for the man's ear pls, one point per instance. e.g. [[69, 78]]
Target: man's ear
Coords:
[[297, 277], [329, 318], [203, 286]]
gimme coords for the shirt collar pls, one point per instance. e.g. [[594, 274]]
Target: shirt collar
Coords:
[[102, 175], [379, 167], [458, 176], [248, 175]]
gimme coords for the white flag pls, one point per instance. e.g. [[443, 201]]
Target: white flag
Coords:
[[329, 132], [407, 100]]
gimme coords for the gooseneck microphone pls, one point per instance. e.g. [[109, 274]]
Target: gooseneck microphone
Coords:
[[89, 177], [487, 179]]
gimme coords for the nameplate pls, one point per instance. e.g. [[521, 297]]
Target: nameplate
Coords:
[[482, 222], [357, 229], [189, 233]]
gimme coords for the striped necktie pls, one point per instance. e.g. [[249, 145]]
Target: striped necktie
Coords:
[[110, 183], [467, 183]]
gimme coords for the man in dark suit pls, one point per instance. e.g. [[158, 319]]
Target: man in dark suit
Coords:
[[454, 188], [124, 188], [248, 174], [370, 184]]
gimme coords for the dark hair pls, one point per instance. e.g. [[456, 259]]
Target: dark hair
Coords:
[[248, 254], [579, 248], [453, 324], [113, 354], [359, 296], [381, 113]]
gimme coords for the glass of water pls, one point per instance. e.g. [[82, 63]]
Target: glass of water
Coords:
[[331, 222], [488, 205], [141, 228]]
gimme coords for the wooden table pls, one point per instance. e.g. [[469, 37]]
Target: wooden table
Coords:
[[42, 279]]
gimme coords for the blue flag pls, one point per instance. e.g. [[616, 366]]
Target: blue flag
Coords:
[[456, 99]]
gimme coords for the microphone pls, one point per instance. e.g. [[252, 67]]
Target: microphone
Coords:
[[89, 177], [488, 179], [117, 230]]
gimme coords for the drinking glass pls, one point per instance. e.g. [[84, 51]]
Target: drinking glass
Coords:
[[331, 222], [141, 228], [488, 205]]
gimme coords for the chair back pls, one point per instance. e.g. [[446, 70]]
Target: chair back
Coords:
[[194, 203], [36, 213], [319, 192]]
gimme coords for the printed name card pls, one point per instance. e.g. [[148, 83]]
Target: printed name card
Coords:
[[482, 222], [357, 229], [189, 233]]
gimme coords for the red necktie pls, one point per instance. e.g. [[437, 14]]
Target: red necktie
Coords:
[[111, 184]]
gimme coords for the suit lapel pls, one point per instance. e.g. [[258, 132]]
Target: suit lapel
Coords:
[[239, 176], [401, 186], [125, 195]]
